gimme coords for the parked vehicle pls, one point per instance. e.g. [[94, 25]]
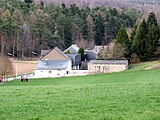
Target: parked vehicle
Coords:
[[24, 77]]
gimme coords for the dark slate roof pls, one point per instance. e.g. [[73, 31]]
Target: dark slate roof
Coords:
[[76, 59], [44, 52], [73, 55], [52, 65], [90, 55], [109, 61]]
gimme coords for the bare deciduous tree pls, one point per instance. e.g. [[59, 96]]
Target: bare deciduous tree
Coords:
[[6, 67]]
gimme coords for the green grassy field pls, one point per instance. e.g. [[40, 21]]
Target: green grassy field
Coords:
[[129, 95]]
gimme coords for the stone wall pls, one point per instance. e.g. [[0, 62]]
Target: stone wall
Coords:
[[106, 68]]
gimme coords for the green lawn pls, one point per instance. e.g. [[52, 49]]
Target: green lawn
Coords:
[[129, 95], [144, 65]]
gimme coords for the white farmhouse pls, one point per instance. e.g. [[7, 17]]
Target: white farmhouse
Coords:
[[54, 64]]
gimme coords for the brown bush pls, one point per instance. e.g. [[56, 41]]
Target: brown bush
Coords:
[[6, 67]]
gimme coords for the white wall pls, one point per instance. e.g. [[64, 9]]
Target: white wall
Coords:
[[53, 73], [50, 73], [69, 65]]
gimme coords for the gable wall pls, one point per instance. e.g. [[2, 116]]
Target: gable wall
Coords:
[[54, 55]]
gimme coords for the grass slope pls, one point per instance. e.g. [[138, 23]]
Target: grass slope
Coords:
[[130, 95]]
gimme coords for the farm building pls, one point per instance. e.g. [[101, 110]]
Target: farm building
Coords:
[[90, 55], [73, 49], [74, 56], [93, 54], [76, 60], [55, 63], [107, 66]]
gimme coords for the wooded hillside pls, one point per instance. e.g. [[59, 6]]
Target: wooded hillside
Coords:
[[101, 2], [27, 28], [145, 6]]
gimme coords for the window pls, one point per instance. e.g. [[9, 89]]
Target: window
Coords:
[[67, 72], [50, 72], [99, 67], [104, 68]]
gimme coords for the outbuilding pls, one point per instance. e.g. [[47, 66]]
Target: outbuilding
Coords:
[[107, 66]]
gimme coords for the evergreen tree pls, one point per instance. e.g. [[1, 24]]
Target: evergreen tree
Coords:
[[99, 28], [90, 32], [64, 26], [140, 40], [81, 51], [152, 43], [74, 10], [4, 29], [68, 32], [132, 38], [152, 20], [29, 2], [158, 47], [122, 38], [152, 36]]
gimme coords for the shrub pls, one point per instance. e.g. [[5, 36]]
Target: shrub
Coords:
[[81, 51]]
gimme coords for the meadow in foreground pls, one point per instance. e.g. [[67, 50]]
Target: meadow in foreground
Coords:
[[129, 95]]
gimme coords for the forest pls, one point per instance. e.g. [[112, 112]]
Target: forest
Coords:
[[145, 6], [26, 28], [142, 44], [101, 2]]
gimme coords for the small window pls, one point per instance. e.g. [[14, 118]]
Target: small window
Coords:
[[99, 67], [41, 71], [67, 72], [50, 72], [104, 68]]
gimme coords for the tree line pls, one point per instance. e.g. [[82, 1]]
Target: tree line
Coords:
[[27, 28], [142, 44]]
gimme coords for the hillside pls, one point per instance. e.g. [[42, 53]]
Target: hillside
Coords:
[[93, 3], [143, 5], [127, 95]]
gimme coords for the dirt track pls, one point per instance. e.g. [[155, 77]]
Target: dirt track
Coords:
[[24, 66]]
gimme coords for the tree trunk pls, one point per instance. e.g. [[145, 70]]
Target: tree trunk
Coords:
[[13, 50], [2, 46], [33, 43]]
